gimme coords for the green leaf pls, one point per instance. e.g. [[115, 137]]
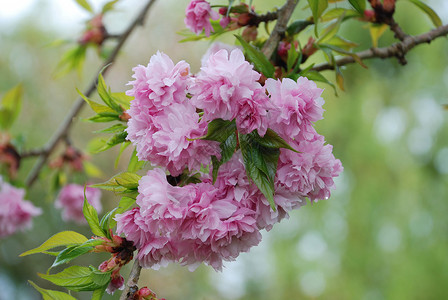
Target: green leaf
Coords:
[[272, 140], [113, 129], [64, 238], [260, 61], [219, 130], [297, 26], [106, 95], [344, 52], [429, 12], [260, 164], [91, 216], [123, 147], [339, 78], [103, 145], [120, 182], [122, 99], [293, 55], [376, 31], [105, 222], [331, 30], [96, 107], [359, 5], [105, 117], [10, 106], [73, 252], [124, 205], [335, 13], [342, 43], [135, 164], [84, 4], [73, 59], [77, 278], [316, 76], [109, 6], [98, 294], [317, 8], [50, 294]]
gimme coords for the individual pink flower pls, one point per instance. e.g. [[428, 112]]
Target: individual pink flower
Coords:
[[297, 105], [159, 84], [169, 138], [15, 212], [71, 201], [197, 17], [309, 172], [223, 82], [252, 113]]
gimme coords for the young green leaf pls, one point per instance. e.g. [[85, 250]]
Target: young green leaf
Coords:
[[106, 95], [96, 107], [376, 31], [105, 222], [335, 13], [219, 130], [428, 11], [260, 163], [123, 99], [73, 252], [342, 43], [84, 4], [317, 8], [316, 76], [120, 182], [297, 26], [331, 30], [52, 295], [260, 61], [98, 294], [10, 106], [123, 147], [109, 6], [64, 238], [91, 216], [293, 55], [135, 164], [124, 205], [77, 278], [91, 169], [359, 5]]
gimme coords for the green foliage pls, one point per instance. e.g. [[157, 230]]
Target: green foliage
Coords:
[[84, 4], [10, 106], [50, 294], [428, 11], [297, 26], [260, 61], [73, 59], [317, 8], [260, 163], [123, 183], [77, 278], [91, 216], [359, 5], [109, 6], [64, 238], [70, 253]]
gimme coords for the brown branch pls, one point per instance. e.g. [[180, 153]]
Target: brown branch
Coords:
[[68, 121], [32, 153], [256, 19], [394, 50], [131, 284], [284, 14]]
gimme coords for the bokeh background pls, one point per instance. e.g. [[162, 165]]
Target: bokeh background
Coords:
[[382, 235]]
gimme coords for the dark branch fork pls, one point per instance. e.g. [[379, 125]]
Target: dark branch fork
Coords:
[[66, 124]]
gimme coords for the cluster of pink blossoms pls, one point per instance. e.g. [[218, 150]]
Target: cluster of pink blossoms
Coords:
[[206, 222], [15, 212], [71, 201], [197, 16]]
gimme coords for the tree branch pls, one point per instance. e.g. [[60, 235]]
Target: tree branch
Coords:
[[132, 281], [394, 50], [68, 121], [284, 14]]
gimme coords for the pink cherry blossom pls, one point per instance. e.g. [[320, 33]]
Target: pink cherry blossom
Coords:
[[71, 201], [197, 17], [15, 212], [159, 84], [224, 82], [310, 172], [298, 104]]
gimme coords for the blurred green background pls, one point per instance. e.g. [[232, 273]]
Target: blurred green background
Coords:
[[382, 235]]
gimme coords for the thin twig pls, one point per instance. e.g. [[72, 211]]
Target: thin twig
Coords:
[[32, 153], [284, 14], [68, 121], [132, 280], [397, 49]]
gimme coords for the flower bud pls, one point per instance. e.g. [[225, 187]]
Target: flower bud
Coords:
[[250, 33]]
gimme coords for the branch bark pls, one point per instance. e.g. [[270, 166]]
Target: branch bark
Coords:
[[395, 50], [64, 128], [284, 14], [134, 276]]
